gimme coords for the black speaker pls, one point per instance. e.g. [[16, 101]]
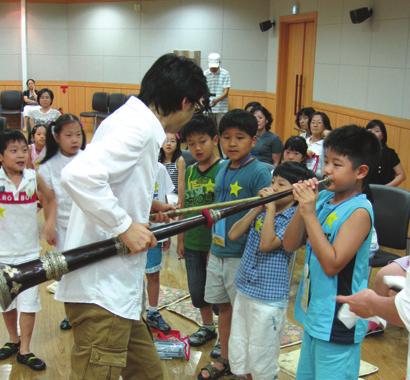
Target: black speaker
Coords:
[[266, 25], [361, 14]]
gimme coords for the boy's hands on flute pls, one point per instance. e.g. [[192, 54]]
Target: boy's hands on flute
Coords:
[[265, 192], [306, 193]]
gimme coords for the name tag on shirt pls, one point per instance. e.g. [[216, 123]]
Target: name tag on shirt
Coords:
[[218, 233]]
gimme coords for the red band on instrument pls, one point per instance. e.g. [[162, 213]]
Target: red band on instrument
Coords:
[[209, 220]]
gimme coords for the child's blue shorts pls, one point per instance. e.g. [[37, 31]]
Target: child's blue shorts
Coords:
[[154, 258], [320, 360]]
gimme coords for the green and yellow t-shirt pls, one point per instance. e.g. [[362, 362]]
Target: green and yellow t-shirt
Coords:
[[199, 190]]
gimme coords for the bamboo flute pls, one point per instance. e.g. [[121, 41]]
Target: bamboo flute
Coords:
[[53, 265]]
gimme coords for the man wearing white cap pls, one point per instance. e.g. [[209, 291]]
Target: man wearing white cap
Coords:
[[219, 83]]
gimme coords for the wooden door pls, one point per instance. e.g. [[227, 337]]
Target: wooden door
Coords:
[[297, 40]]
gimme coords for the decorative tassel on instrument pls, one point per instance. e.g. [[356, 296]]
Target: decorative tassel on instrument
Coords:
[[53, 265]]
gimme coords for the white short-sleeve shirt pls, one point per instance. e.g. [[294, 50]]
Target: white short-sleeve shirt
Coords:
[[111, 184]]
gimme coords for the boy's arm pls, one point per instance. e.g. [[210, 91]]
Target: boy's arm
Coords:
[[332, 258], [50, 210], [181, 180], [242, 225], [269, 239], [295, 234]]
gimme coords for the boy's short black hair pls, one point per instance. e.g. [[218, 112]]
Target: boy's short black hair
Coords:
[[199, 124], [240, 119], [293, 172], [48, 91], [360, 146], [171, 79], [297, 144], [8, 136]]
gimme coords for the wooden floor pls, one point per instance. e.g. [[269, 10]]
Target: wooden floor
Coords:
[[388, 352]]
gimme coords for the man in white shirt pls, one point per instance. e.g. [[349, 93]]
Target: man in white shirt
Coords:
[[219, 83], [395, 309], [112, 185]]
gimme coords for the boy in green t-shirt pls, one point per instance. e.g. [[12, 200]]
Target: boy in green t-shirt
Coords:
[[201, 137]]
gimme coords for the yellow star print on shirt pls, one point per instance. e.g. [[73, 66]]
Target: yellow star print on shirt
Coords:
[[235, 189], [258, 225], [210, 186], [156, 187], [2, 212], [331, 219]]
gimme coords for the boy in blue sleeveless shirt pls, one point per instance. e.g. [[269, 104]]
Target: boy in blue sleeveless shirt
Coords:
[[241, 176], [337, 225]]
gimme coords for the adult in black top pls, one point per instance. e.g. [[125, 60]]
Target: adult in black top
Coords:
[[389, 172]]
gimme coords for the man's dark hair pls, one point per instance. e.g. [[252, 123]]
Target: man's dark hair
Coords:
[[43, 91], [199, 124], [360, 146], [171, 79], [8, 136], [240, 119]]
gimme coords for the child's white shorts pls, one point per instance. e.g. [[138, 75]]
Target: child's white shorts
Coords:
[[27, 301], [254, 343]]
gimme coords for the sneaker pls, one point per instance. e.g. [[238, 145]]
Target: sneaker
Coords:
[[201, 336], [374, 328], [216, 351], [32, 361], [65, 324], [155, 320], [9, 349]]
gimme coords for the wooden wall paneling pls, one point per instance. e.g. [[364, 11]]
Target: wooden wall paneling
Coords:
[[393, 135], [235, 101], [76, 100]]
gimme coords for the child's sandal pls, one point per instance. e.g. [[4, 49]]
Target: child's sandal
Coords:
[[215, 373], [9, 349]]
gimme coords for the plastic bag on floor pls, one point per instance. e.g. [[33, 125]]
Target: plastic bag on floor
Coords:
[[172, 346]]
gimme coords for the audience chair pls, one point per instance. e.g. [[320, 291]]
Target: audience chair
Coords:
[[99, 105], [391, 206], [11, 103], [115, 101], [3, 123]]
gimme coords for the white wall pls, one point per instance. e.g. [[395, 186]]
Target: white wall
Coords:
[[365, 66], [10, 58], [114, 42]]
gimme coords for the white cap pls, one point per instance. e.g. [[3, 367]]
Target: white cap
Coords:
[[214, 60]]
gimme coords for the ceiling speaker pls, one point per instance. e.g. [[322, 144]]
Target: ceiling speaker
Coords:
[[361, 14]]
